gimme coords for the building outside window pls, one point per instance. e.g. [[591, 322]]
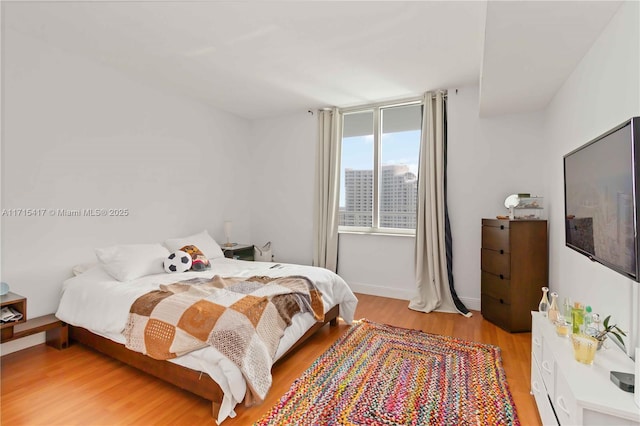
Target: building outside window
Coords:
[[379, 166]]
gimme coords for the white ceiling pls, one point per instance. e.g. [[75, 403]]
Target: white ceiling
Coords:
[[532, 47], [262, 59]]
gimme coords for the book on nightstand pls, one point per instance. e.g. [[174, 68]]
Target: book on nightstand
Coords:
[[9, 314]]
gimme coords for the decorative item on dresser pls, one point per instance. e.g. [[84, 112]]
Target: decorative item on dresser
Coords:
[[514, 264]]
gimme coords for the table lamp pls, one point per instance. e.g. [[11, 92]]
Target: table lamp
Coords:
[[227, 233]]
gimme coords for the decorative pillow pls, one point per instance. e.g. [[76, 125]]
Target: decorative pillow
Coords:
[[203, 241], [178, 261], [200, 261], [128, 262]]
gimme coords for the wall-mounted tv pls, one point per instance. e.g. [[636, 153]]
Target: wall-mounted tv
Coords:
[[601, 192]]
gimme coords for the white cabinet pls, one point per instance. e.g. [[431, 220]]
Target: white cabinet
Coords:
[[542, 400], [570, 393]]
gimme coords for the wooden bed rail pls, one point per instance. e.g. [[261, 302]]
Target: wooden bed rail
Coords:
[[190, 380]]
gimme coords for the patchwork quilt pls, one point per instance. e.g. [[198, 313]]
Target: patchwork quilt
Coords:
[[243, 318]]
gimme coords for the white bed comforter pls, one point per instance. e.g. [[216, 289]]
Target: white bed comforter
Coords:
[[96, 301]]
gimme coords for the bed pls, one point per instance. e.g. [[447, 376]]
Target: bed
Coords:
[[96, 307]]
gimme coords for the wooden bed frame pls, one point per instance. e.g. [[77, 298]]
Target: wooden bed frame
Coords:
[[190, 380]]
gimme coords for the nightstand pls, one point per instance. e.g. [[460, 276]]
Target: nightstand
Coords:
[[239, 251], [18, 303], [57, 332]]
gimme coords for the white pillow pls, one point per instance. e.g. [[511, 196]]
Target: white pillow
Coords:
[[82, 268], [128, 262], [203, 241]]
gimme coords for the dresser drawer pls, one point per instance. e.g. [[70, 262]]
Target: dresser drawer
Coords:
[[495, 311], [536, 342], [565, 403], [496, 287], [496, 263], [539, 392], [548, 369], [495, 238], [497, 223]]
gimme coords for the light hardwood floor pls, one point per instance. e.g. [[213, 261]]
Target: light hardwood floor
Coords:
[[77, 386]]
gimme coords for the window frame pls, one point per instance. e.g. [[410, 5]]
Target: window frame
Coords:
[[377, 166]]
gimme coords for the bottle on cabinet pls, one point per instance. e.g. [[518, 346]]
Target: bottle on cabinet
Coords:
[[554, 313], [566, 309], [543, 306], [588, 318], [577, 318]]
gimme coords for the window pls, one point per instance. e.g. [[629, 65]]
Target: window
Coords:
[[379, 167]]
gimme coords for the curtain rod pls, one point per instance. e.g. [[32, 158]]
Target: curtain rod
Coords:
[[392, 102]]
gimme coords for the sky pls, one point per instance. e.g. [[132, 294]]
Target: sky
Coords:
[[396, 148]]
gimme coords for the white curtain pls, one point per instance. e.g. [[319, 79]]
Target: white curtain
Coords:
[[327, 196], [432, 278]]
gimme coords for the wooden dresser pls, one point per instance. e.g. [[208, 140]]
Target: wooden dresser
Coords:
[[514, 262]]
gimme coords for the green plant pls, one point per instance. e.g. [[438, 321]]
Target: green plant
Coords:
[[610, 329]]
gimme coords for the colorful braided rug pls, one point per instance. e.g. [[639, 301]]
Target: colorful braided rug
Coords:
[[377, 374]]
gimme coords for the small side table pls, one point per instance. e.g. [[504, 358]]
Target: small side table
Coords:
[[239, 251], [57, 332], [18, 303]]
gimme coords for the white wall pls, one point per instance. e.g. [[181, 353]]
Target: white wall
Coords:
[[79, 135], [382, 265], [488, 159], [602, 92], [282, 153]]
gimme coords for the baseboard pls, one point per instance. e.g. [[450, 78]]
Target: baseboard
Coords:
[[375, 290], [20, 344], [402, 294], [471, 303]]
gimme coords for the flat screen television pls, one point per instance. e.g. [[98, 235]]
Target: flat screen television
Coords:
[[601, 192]]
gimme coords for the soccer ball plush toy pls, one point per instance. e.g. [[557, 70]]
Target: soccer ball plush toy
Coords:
[[178, 261]]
